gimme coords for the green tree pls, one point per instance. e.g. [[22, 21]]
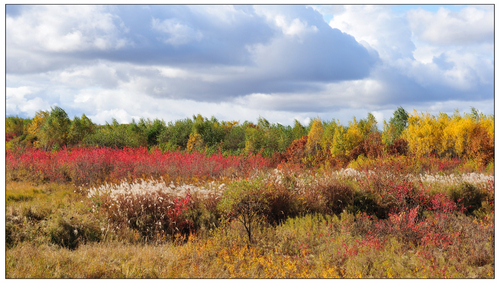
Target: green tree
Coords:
[[211, 131], [152, 130], [284, 137], [80, 128], [298, 131], [177, 134], [16, 132], [234, 139], [253, 138], [55, 131], [397, 124], [117, 135], [16, 126]]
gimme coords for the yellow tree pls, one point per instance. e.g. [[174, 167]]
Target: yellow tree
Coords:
[[313, 144], [425, 133], [195, 142], [338, 144], [328, 132], [354, 135], [36, 124], [457, 135], [358, 131]]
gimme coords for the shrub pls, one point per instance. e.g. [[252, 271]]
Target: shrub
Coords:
[[70, 233], [399, 147], [468, 197], [151, 208], [203, 211], [96, 165], [297, 150], [283, 203], [337, 196], [246, 202], [365, 202]]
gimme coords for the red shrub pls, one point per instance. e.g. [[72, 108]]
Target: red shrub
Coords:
[[399, 147], [93, 165], [10, 136], [297, 150]]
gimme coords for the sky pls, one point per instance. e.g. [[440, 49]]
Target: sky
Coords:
[[242, 62]]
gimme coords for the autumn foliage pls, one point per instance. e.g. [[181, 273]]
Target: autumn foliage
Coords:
[[88, 165], [230, 200]]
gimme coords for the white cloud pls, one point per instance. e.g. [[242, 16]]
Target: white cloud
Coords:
[[101, 74], [56, 28], [19, 102], [378, 26], [178, 33], [419, 46], [294, 28], [287, 23], [445, 27], [221, 14]]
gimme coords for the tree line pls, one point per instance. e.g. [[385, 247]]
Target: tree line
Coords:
[[468, 135]]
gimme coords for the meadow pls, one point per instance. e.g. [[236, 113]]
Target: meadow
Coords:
[[124, 213], [200, 198]]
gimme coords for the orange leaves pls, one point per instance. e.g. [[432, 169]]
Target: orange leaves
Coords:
[[297, 150], [482, 146]]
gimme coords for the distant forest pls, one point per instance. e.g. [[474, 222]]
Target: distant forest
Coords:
[[464, 136]]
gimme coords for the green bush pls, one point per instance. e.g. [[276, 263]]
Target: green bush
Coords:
[[176, 134], [246, 202], [115, 135]]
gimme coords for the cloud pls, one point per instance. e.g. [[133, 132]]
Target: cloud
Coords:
[[63, 29], [99, 74], [178, 33], [43, 38], [282, 62], [217, 53], [20, 102], [466, 26], [377, 26], [414, 70]]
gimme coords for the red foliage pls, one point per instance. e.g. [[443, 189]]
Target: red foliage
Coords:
[[399, 147], [371, 147], [93, 165], [10, 136], [296, 151], [177, 215]]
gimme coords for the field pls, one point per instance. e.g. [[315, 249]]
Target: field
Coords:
[[94, 212]]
